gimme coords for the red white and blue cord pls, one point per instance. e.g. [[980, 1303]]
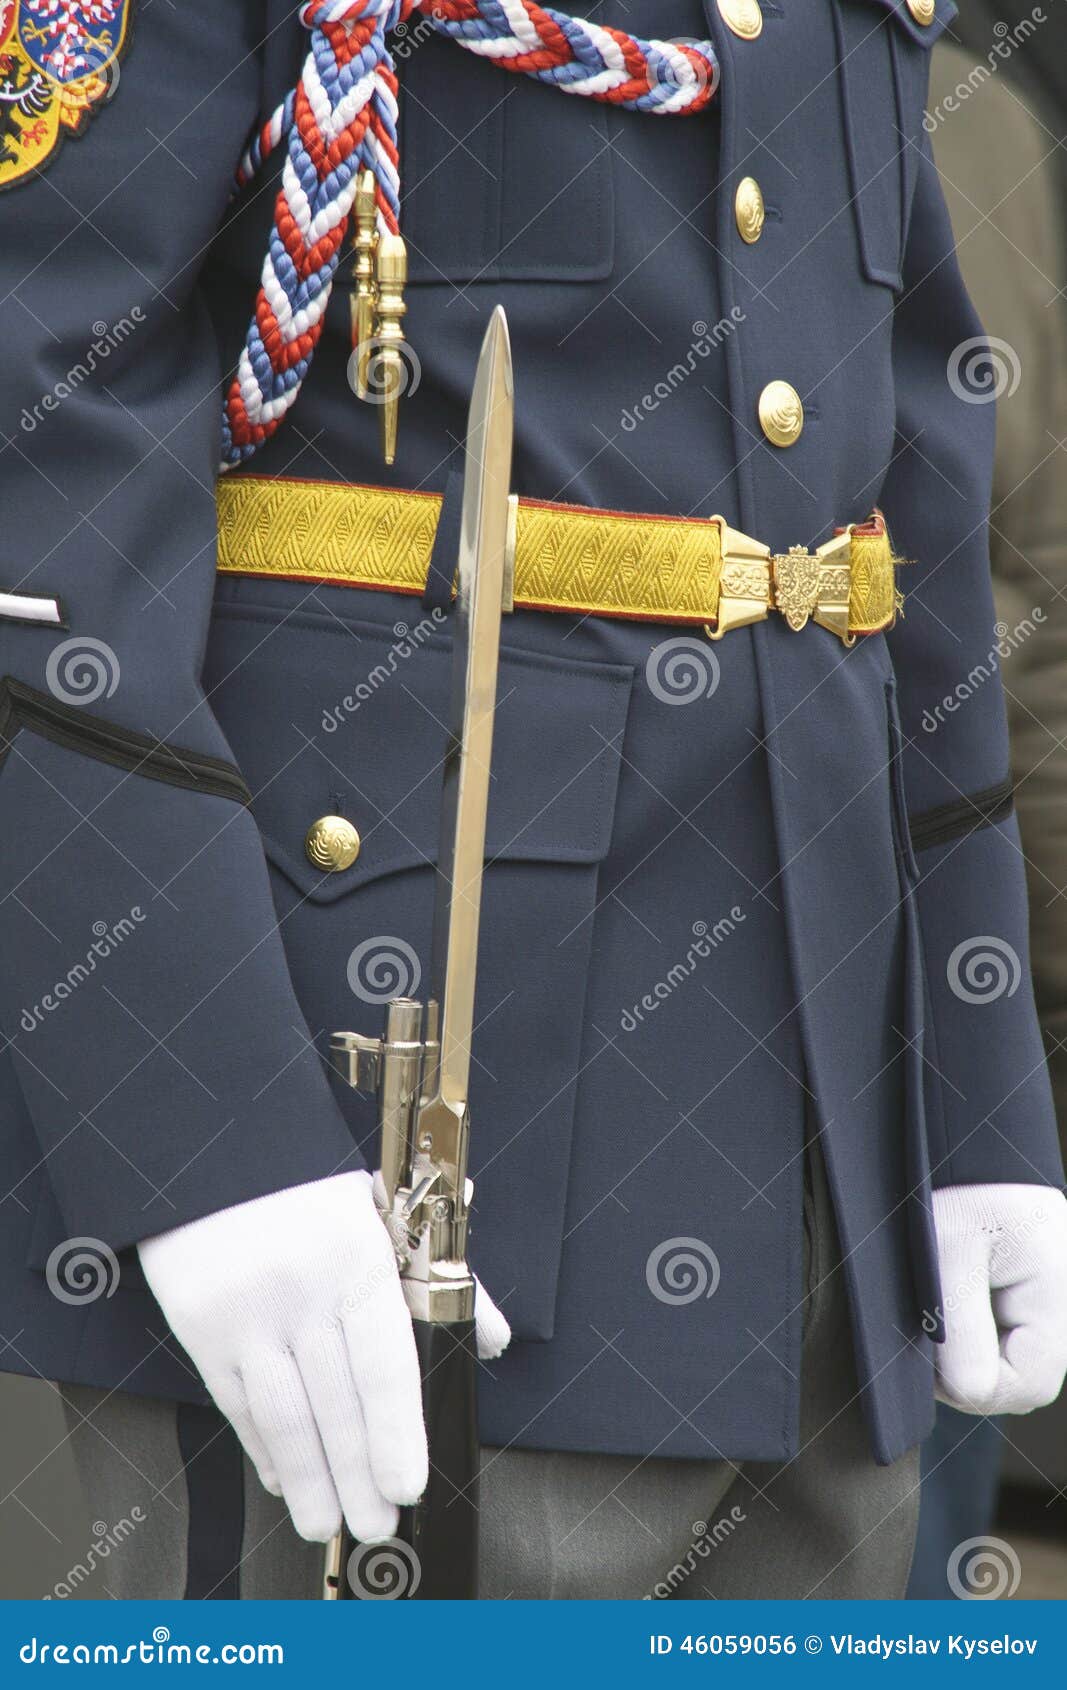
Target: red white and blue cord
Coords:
[[341, 119]]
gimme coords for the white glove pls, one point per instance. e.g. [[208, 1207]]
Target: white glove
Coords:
[[292, 1310], [1002, 1251], [491, 1330]]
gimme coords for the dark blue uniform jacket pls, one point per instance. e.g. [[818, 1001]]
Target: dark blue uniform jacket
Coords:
[[709, 927]]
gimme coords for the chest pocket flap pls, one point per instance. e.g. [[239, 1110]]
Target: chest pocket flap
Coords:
[[485, 197], [883, 55]]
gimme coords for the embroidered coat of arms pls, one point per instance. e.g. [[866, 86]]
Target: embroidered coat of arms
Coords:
[[58, 65]]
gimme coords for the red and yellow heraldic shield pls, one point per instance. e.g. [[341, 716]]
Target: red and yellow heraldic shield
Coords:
[[58, 66]]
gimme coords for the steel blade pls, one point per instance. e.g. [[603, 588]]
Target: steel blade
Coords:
[[466, 776]]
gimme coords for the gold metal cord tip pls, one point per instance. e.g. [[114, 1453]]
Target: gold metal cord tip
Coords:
[[387, 371], [364, 295]]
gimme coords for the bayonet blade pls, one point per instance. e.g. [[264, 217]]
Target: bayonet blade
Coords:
[[466, 776]]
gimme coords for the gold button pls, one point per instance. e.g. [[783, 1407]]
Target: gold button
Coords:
[[781, 414], [922, 11], [742, 16], [749, 210], [332, 844]]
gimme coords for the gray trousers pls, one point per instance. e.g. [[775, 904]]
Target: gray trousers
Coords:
[[827, 1523]]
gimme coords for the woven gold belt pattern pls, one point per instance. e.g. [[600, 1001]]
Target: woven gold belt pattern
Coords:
[[567, 557]]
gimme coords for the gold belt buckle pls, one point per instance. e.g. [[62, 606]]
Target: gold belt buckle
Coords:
[[802, 585]]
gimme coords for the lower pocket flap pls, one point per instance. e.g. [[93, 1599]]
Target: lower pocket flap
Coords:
[[328, 718]]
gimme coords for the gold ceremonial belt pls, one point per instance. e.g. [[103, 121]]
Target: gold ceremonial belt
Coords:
[[565, 557]]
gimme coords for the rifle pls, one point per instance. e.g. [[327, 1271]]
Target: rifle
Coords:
[[420, 1067]]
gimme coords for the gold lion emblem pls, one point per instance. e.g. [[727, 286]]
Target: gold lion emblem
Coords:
[[796, 585]]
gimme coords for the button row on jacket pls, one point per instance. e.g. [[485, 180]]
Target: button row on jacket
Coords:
[[749, 209], [781, 413], [742, 16], [332, 844]]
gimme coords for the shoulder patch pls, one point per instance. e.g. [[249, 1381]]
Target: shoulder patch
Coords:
[[58, 65]]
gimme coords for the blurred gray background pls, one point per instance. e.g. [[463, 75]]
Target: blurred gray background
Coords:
[[44, 1527]]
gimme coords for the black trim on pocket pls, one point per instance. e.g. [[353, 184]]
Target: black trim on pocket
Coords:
[[22, 706], [964, 815]]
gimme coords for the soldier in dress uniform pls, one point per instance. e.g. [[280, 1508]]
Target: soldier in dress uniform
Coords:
[[765, 1154]]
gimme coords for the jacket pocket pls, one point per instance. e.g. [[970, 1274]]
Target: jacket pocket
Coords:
[[921, 1231], [349, 718], [884, 59], [486, 196]]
